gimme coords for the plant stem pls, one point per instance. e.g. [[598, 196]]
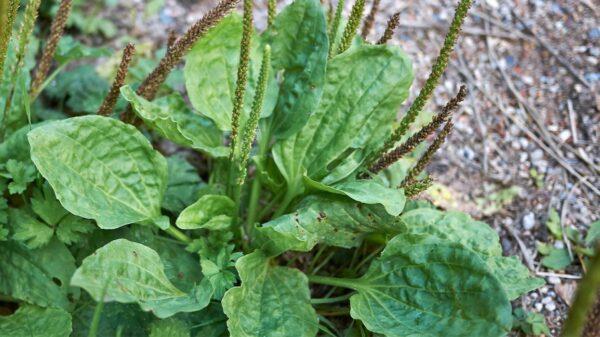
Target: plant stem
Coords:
[[587, 292], [177, 234], [290, 194], [331, 299], [332, 281], [93, 332]]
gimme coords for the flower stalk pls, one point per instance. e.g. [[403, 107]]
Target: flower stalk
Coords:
[[271, 11], [8, 13], [334, 27], [252, 124], [392, 23], [240, 90], [29, 18], [393, 156], [56, 32], [436, 73], [414, 172], [111, 99], [350, 30], [150, 85]]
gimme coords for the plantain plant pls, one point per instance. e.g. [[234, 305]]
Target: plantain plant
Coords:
[[289, 209]]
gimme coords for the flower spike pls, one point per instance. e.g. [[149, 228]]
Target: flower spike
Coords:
[[414, 172], [252, 124], [333, 28], [111, 99], [56, 32], [350, 30], [393, 156], [392, 23], [8, 13], [436, 73], [150, 86]]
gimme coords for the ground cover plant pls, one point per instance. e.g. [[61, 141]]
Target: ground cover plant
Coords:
[[289, 209]]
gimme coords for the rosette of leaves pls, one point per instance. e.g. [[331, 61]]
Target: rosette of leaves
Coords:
[[266, 223]]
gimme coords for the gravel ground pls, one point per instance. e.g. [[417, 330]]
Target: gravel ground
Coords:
[[526, 140]]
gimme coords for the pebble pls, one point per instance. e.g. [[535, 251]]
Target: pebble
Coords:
[[559, 244], [550, 306], [539, 306], [537, 155], [554, 280], [529, 221]]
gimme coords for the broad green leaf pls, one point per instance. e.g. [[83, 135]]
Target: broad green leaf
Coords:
[[477, 236], [367, 192], [183, 185], [298, 39], [171, 118], [169, 327], [363, 91], [325, 219], [210, 212], [515, 278], [593, 233], [271, 301], [211, 74], [101, 169], [557, 259], [530, 323], [29, 230], [39, 276], [133, 272], [421, 288], [32, 321]]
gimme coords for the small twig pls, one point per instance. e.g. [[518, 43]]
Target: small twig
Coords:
[[563, 218], [565, 276], [526, 254], [572, 121]]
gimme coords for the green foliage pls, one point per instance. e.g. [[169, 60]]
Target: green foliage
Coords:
[[32, 321], [84, 158], [133, 273], [259, 168], [446, 286], [531, 323], [272, 301]]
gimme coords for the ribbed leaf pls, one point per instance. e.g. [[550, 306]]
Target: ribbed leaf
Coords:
[[422, 288], [211, 73], [367, 192], [271, 302], [479, 238], [210, 211], [38, 276], [32, 321], [300, 46], [331, 220], [132, 272], [171, 118], [101, 169], [363, 91]]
